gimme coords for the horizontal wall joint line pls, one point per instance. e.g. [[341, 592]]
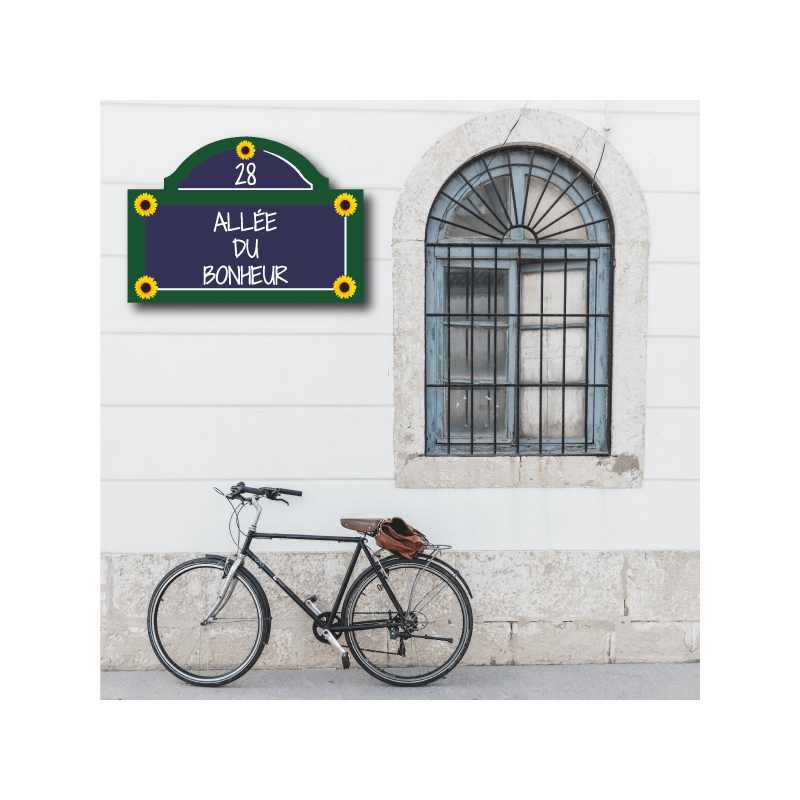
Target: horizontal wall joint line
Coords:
[[284, 479], [246, 405], [325, 334]]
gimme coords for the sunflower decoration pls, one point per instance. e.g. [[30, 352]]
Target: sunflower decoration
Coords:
[[146, 287], [145, 205], [245, 150], [345, 205], [344, 287]]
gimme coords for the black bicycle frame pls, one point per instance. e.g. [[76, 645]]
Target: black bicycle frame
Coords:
[[360, 547]]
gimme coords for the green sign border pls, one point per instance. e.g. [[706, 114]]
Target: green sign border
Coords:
[[319, 195]]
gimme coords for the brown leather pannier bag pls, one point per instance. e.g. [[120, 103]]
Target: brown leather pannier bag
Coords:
[[398, 536]]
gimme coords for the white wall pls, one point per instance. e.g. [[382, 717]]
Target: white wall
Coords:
[[186, 405]]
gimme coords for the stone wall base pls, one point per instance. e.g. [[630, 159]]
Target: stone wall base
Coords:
[[530, 606]]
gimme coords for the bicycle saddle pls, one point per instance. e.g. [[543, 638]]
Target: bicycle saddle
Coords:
[[362, 525]]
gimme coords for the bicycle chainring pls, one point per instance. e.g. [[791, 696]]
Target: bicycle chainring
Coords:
[[337, 620]]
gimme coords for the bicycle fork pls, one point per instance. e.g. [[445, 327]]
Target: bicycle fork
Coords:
[[226, 591], [227, 587]]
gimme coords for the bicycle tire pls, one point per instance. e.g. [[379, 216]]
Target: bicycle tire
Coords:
[[366, 586], [189, 591]]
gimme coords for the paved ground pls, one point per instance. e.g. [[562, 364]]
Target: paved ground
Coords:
[[557, 682]]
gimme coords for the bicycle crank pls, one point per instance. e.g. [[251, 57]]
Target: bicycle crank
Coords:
[[332, 640]]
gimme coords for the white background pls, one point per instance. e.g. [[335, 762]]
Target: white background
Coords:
[[301, 396]]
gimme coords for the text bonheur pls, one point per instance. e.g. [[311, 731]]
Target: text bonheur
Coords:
[[253, 274]]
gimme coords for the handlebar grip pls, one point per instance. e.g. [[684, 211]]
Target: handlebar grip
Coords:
[[291, 491], [252, 490]]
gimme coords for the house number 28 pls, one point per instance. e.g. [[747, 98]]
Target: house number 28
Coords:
[[251, 175]]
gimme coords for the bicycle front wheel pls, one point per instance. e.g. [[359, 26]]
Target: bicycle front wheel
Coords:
[[207, 653], [436, 622]]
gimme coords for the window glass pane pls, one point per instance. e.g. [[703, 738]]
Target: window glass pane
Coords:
[[482, 337], [574, 412], [563, 206], [490, 292], [531, 294], [476, 209], [482, 416], [574, 366]]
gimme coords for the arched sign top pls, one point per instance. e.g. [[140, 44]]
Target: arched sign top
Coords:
[[264, 165]]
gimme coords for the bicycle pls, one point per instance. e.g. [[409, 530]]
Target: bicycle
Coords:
[[407, 622]]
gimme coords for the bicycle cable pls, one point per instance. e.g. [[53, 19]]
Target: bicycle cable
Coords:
[[235, 513]]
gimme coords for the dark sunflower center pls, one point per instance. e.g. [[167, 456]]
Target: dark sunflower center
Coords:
[[345, 205], [145, 205], [345, 287], [245, 150], [145, 288]]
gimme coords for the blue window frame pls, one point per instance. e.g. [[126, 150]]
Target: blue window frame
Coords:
[[518, 309]]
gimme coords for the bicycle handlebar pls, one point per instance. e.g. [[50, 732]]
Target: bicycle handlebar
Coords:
[[264, 491]]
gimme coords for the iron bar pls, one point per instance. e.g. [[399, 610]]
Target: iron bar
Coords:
[[449, 340], [564, 357], [528, 184], [491, 180], [471, 393], [586, 358], [541, 348], [544, 189], [513, 193], [514, 384], [494, 393], [575, 243], [512, 314], [518, 339]]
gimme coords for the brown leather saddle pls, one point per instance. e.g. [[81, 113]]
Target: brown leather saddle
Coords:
[[362, 525]]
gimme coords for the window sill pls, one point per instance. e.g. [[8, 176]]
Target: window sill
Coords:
[[518, 472]]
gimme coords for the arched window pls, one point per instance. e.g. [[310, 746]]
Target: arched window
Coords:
[[518, 304]]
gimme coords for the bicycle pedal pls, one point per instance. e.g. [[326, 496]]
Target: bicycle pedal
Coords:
[[345, 661], [312, 599]]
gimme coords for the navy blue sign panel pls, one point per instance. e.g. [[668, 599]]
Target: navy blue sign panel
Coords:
[[246, 220], [247, 247]]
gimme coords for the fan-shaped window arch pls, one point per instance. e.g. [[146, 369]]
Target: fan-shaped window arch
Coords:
[[518, 309]]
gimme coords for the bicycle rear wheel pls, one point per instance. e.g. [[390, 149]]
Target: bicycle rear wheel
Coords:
[[436, 622], [217, 652]]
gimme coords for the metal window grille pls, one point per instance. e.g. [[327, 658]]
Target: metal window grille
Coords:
[[519, 310]]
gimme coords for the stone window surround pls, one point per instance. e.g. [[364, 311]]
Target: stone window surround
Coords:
[[624, 469]]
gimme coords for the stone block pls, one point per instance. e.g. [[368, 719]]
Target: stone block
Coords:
[[663, 585], [655, 642], [561, 642]]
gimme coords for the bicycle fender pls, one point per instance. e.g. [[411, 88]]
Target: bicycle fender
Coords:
[[259, 588], [437, 561]]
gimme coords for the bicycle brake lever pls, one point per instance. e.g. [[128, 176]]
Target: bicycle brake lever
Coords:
[[274, 496]]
